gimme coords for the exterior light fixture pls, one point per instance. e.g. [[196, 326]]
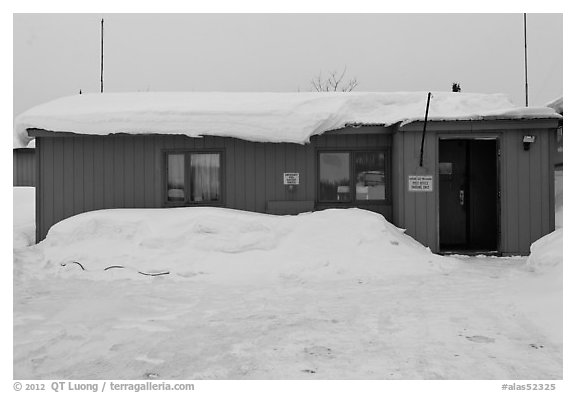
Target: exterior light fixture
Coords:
[[528, 140]]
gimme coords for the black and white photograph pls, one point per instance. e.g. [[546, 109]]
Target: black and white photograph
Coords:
[[287, 196]]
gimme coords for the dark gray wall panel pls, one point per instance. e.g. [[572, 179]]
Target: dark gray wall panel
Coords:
[[23, 168], [83, 173]]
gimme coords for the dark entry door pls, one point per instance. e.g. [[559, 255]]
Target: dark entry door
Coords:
[[468, 195]]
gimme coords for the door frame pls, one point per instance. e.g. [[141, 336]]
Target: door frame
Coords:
[[484, 136]]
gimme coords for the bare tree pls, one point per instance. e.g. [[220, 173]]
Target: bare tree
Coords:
[[334, 82]]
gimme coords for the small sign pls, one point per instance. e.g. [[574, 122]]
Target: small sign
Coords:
[[292, 178], [420, 183]]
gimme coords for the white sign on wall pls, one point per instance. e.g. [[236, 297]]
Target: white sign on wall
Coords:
[[291, 178], [418, 183]]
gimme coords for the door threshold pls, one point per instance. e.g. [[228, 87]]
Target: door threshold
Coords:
[[471, 252]]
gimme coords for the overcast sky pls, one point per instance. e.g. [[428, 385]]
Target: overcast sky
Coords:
[[58, 54]]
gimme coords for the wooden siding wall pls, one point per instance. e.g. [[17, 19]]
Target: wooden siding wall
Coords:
[[415, 211], [526, 184], [83, 173], [528, 199], [23, 168]]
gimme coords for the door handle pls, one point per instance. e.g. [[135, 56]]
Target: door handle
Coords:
[[461, 197]]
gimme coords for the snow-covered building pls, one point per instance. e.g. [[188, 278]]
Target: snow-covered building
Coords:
[[558, 106], [484, 182]]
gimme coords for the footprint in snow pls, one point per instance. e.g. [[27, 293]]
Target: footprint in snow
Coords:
[[319, 351], [480, 339], [146, 359]]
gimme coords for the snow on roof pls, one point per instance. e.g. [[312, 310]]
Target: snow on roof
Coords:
[[557, 105], [31, 144], [258, 117]]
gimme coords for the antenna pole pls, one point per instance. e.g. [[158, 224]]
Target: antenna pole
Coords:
[[424, 130], [102, 56], [526, 59]]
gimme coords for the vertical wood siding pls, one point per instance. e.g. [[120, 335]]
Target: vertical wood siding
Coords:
[[23, 167], [415, 211], [527, 183], [84, 173]]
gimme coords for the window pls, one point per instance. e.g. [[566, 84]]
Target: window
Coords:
[[335, 177], [369, 170], [176, 188], [353, 176], [193, 178]]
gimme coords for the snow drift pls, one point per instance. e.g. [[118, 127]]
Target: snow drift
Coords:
[[24, 213], [546, 253], [224, 244], [537, 294], [258, 117]]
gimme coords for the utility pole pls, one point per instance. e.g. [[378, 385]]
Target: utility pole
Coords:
[[102, 56], [526, 59]]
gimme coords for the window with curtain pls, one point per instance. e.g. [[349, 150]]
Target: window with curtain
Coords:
[[205, 177], [193, 177]]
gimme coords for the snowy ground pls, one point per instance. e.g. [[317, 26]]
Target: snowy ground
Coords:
[[328, 295]]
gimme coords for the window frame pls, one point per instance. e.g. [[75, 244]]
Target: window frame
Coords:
[[352, 151], [187, 186]]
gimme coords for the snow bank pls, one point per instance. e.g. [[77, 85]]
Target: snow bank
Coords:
[[225, 244], [260, 117], [546, 253], [537, 292], [24, 224]]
